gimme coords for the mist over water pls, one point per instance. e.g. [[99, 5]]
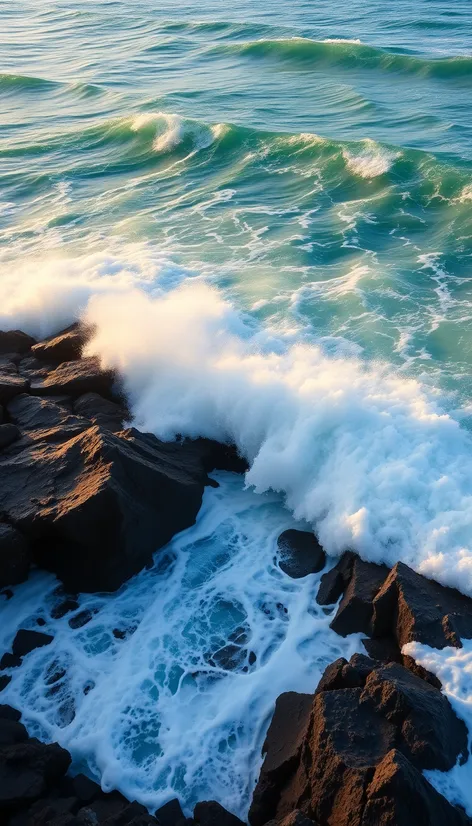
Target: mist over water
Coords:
[[267, 211]]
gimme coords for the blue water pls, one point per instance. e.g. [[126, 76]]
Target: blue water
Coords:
[[266, 209]]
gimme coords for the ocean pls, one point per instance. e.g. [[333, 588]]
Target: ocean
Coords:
[[266, 210]]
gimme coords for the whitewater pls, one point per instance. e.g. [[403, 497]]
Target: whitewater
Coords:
[[266, 215]]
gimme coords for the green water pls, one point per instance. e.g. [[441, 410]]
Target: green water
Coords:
[[325, 186]]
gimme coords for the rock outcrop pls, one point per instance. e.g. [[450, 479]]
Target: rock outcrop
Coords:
[[84, 498], [36, 791], [394, 607], [352, 754]]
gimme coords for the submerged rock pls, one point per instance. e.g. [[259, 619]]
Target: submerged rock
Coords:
[[26, 641]]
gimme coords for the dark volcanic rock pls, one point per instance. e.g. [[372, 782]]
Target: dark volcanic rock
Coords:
[[28, 769], [170, 814], [295, 818], [343, 674], [10, 661], [300, 553], [26, 641], [15, 557], [81, 619], [335, 581], [74, 378], [101, 411], [97, 506], [32, 368], [217, 456], [428, 731], [384, 649], [332, 763], [399, 795], [64, 608], [355, 609], [10, 386], [66, 346], [36, 413], [84, 789], [282, 747], [210, 813], [15, 341], [413, 608], [9, 433]]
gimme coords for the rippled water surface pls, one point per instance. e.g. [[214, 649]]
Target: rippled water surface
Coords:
[[266, 209]]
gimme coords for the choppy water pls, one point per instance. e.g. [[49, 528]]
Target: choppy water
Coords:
[[268, 213]]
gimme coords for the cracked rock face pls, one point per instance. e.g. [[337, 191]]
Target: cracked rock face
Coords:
[[367, 730], [79, 495]]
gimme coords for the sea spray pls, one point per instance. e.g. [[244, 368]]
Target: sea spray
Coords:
[[367, 457]]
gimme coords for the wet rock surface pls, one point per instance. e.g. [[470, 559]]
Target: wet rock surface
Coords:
[[35, 790], [300, 553], [91, 501], [353, 753]]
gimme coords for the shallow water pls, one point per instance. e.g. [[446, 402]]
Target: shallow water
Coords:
[[267, 211], [167, 691]]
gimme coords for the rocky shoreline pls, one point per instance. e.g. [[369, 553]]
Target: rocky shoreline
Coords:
[[91, 501]]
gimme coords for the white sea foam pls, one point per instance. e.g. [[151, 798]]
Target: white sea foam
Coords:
[[453, 666], [365, 456], [165, 715], [466, 195], [370, 161], [355, 40], [170, 130]]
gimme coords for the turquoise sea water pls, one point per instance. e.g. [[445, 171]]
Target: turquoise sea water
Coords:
[[315, 157], [301, 172]]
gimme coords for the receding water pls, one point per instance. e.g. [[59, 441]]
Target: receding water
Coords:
[[169, 687]]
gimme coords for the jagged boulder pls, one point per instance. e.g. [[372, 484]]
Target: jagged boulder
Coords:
[[324, 762], [355, 609], [335, 581], [28, 770], [103, 412], [399, 795], [15, 341], [66, 346], [96, 506], [413, 608], [74, 378], [210, 813], [32, 413]]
